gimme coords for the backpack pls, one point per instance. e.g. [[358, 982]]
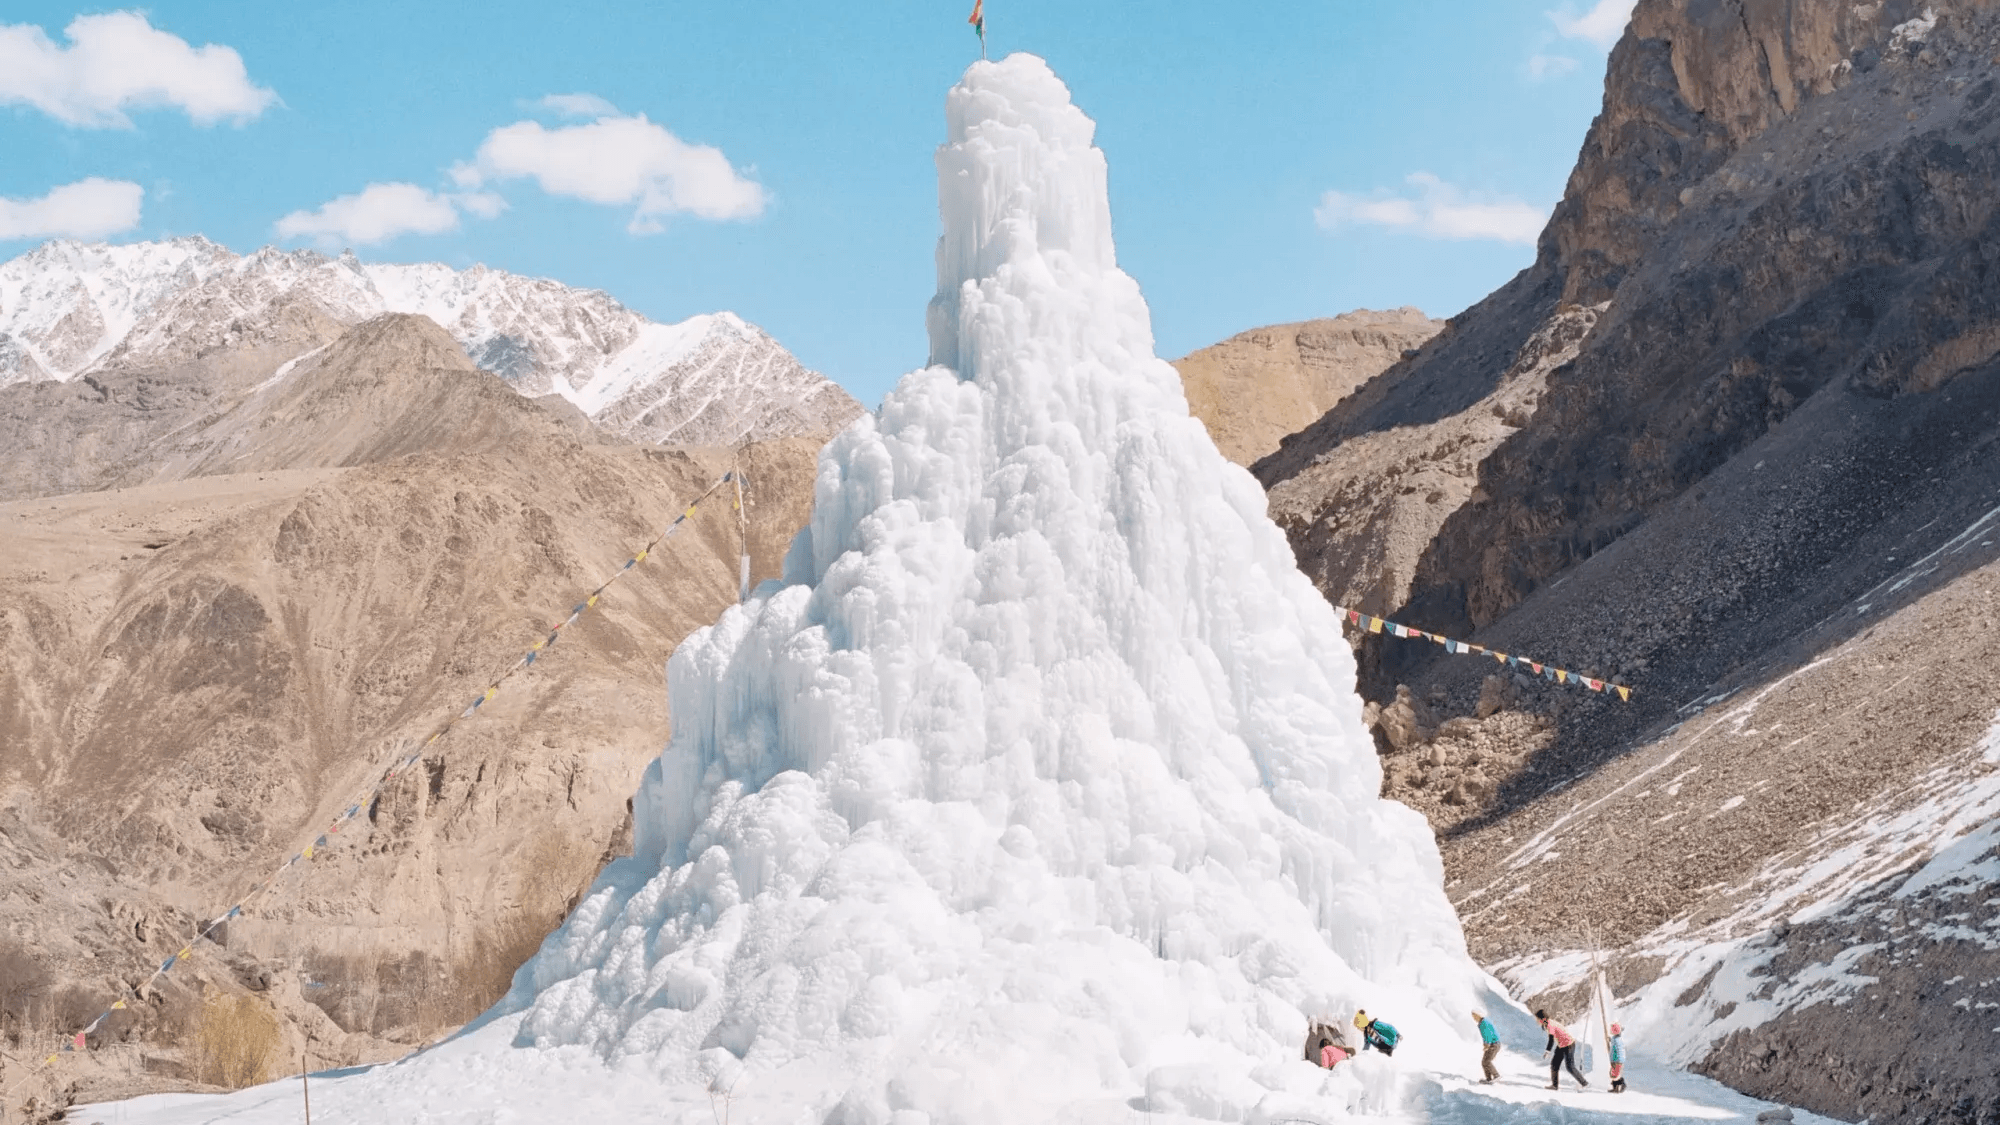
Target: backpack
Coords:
[[1386, 1033]]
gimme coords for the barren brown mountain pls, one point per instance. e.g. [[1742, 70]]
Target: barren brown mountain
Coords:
[[197, 673], [1257, 386], [1733, 440]]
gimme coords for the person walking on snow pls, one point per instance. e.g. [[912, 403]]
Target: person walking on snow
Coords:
[[1617, 1059], [1564, 1045], [1375, 1033], [1491, 1039]]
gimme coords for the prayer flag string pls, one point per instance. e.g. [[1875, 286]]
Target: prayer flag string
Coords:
[[1548, 672]]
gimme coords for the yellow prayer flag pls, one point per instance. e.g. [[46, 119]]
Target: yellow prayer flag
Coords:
[[689, 514], [118, 1006], [308, 853], [1375, 624], [1562, 677], [590, 601], [641, 556], [1624, 693]]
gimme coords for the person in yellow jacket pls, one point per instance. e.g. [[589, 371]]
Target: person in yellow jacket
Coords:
[[1376, 1034]]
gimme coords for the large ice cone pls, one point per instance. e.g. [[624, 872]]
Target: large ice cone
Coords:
[[1039, 783], [1037, 790]]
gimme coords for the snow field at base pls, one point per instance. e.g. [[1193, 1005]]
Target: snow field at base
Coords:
[[479, 1079], [1036, 791]]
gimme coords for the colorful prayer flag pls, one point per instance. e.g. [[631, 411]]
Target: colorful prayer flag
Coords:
[[1375, 624], [1624, 692]]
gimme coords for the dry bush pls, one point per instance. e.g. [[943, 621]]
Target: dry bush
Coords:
[[235, 1040], [23, 985], [72, 1006], [342, 986], [485, 974]]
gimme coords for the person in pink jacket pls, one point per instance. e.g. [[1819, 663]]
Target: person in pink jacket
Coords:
[[1563, 1044]]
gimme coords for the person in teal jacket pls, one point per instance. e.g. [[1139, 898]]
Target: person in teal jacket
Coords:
[[1491, 1039], [1376, 1033], [1617, 1059]]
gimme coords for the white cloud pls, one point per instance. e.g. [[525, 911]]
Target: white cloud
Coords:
[[618, 161], [579, 105], [117, 61], [1602, 24], [1543, 67], [91, 208], [484, 204], [377, 213], [1438, 210]]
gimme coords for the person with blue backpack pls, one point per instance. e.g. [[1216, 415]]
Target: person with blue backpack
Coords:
[[1375, 1033]]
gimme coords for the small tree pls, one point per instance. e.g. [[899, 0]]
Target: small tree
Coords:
[[235, 1038]]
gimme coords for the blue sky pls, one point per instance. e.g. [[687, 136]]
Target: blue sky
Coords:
[[1269, 162]]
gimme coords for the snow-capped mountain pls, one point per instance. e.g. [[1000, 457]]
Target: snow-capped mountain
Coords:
[[67, 309]]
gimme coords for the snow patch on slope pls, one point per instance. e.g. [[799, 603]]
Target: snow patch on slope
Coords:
[[1937, 839]]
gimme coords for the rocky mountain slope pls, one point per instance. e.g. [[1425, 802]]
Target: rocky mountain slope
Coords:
[[197, 666], [1731, 440], [1257, 386], [71, 310]]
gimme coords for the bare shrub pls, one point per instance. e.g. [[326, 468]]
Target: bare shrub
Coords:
[[342, 986], [234, 1041], [72, 1006], [23, 985], [440, 998]]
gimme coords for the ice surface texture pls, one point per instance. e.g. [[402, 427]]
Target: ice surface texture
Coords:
[[1040, 780]]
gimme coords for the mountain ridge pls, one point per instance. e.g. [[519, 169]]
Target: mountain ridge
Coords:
[[70, 309]]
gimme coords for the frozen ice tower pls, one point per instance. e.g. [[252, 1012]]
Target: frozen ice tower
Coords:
[[1036, 791], [1039, 783]]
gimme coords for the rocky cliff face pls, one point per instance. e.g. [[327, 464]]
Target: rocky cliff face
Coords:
[[1257, 386], [1756, 487]]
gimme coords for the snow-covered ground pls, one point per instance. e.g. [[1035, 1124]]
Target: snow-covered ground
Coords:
[[1037, 791], [470, 1081]]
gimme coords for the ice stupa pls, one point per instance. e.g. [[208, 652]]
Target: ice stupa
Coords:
[[1036, 791], [1039, 783]]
